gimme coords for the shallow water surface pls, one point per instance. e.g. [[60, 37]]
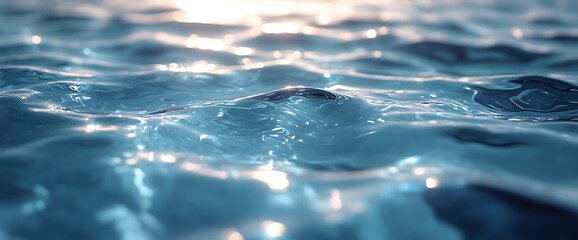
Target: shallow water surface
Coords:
[[288, 119]]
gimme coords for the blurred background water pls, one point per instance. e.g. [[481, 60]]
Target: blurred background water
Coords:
[[319, 119]]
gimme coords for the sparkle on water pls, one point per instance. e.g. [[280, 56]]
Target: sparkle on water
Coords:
[[237, 120]]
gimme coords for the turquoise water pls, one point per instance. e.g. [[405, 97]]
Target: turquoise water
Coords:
[[288, 119]]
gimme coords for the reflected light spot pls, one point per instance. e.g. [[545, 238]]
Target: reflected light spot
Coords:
[[282, 7], [276, 180], [191, 167], [208, 11], [131, 135], [371, 33], [432, 182], [254, 20], [168, 158], [323, 19], [93, 127], [277, 54], [203, 136], [243, 51], [90, 128], [376, 54], [296, 54], [205, 43], [284, 61], [234, 235], [131, 161], [161, 67], [274, 229], [196, 67], [36, 39], [281, 27], [409, 161], [419, 171], [517, 33], [335, 201], [199, 169], [309, 30]]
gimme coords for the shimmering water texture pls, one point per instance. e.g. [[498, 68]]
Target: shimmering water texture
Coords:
[[240, 120]]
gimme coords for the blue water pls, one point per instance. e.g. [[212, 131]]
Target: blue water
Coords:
[[288, 119]]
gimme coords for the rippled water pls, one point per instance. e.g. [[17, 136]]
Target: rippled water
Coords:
[[288, 119]]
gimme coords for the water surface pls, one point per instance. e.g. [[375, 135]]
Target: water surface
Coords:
[[288, 119]]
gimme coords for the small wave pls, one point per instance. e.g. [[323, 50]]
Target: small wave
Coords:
[[537, 97], [462, 54]]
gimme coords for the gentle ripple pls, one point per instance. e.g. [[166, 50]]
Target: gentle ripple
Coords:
[[288, 119]]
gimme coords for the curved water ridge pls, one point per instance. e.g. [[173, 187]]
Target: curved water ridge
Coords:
[[288, 119], [536, 97]]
